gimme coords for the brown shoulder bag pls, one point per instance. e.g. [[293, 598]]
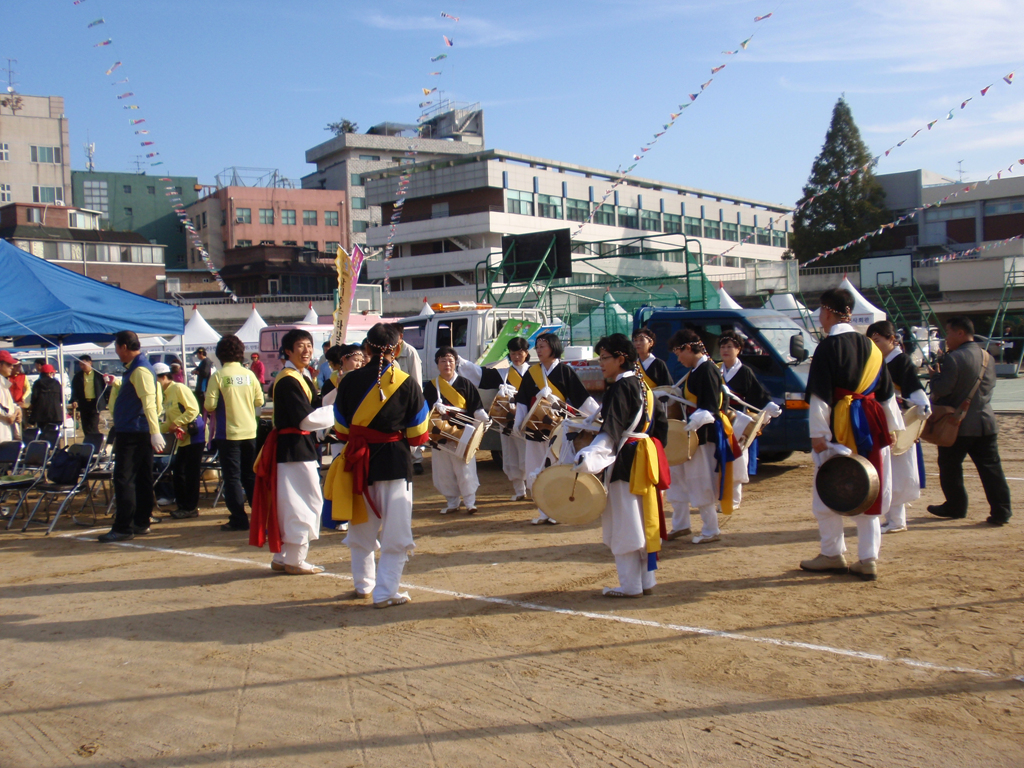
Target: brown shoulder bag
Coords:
[[943, 425]]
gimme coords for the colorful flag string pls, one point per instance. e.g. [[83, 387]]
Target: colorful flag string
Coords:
[[673, 116]]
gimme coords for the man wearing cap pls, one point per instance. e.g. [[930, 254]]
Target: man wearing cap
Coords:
[[47, 394], [86, 387], [10, 413], [182, 418], [136, 421], [258, 369]]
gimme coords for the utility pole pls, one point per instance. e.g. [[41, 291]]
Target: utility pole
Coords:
[[9, 69], [960, 168]]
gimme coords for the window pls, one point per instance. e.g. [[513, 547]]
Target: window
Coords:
[[5, 153], [331, 218], [691, 226], [994, 208], [311, 245], [331, 247], [267, 242], [946, 213], [355, 180], [5, 193], [519, 202], [549, 206], [576, 210], [127, 189], [762, 236], [243, 244], [266, 215], [35, 216], [712, 229], [94, 195], [360, 226], [204, 219], [778, 238], [177, 190], [439, 210], [47, 194], [358, 203], [309, 218], [453, 333], [673, 223], [730, 231], [128, 212], [650, 220], [370, 158], [97, 252], [151, 190], [605, 214], [629, 217], [746, 233], [243, 215], [45, 154], [288, 217], [292, 243]]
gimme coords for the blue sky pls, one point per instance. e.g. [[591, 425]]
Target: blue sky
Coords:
[[225, 82]]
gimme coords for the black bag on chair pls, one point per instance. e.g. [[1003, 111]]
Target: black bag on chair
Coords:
[[65, 468]]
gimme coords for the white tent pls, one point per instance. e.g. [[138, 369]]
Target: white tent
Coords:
[[784, 302], [864, 312], [725, 301], [198, 332], [249, 333], [311, 317], [595, 325], [426, 311]]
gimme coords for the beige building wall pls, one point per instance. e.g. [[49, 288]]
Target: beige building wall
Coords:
[[38, 121]]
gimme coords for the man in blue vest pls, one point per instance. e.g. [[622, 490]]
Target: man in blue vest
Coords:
[[137, 428]]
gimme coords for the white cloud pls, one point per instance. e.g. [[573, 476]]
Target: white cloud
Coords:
[[467, 33]]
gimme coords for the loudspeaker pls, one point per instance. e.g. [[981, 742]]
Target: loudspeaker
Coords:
[[527, 251]]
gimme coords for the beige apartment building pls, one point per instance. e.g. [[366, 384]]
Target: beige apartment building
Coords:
[[34, 162]]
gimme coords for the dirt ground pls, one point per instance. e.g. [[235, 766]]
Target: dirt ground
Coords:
[[185, 650]]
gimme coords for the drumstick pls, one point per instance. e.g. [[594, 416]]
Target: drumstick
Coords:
[[572, 494]]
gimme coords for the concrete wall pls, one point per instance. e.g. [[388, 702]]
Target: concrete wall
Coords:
[[39, 122]]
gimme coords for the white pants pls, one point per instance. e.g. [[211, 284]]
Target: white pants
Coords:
[[393, 499], [299, 503], [869, 533], [906, 487], [453, 478], [740, 476], [513, 462], [536, 455], [695, 483], [622, 524]]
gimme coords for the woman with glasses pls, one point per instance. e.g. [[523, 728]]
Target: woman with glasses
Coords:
[[453, 478]]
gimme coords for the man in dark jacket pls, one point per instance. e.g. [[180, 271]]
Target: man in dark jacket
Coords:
[[86, 388], [202, 372], [47, 394], [978, 436]]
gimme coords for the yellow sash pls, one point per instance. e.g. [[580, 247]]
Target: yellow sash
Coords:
[[514, 377], [537, 374], [841, 410], [726, 495], [345, 505], [291, 373], [643, 481], [449, 393]]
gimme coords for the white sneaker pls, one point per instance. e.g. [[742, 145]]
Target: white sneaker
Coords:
[[893, 529], [702, 539], [449, 510], [165, 502], [343, 527]]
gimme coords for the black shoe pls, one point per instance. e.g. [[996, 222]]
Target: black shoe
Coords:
[[417, 468], [941, 510], [139, 530], [228, 527], [112, 536], [996, 521], [153, 519], [184, 514]]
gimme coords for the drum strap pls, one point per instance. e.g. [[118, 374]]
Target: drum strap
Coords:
[[449, 393]]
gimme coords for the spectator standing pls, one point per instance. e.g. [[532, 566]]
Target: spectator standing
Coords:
[[233, 395], [136, 422], [10, 412], [182, 418], [19, 382], [323, 366], [978, 435], [202, 372], [47, 394], [86, 388], [258, 369], [177, 375]]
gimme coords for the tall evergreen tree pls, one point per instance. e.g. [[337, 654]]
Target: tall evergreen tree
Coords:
[[837, 216]]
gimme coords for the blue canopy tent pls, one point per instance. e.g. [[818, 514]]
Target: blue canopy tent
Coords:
[[46, 305]]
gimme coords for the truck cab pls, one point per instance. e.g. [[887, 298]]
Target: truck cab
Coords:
[[778, 351]]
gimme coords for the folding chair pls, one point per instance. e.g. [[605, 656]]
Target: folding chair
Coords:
[[10, 456], [33, 464], [51, 491], [29, 434], [102, 471], [51, 435], [212, 462]]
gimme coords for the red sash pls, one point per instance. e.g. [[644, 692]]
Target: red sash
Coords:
[[264, 528], [880, 437], [357, 456]]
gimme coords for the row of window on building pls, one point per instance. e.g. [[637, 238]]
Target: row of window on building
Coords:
[[553, 207], [48, 155], [266, 216], [61, 251], [992, 208]]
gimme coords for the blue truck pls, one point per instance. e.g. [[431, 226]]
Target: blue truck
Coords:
[[778, 350]]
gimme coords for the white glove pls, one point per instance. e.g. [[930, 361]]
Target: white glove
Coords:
[[158, 442], [330, 397], [442, 409], [834, 449], [699, 419], [773, 410]]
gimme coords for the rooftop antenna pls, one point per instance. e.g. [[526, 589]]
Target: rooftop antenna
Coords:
[[12, 100], [138, 164], [90, 152], [960, 168], [9, 69]]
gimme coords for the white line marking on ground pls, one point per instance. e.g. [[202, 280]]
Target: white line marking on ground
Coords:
[[936, 474], [704, 631]]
